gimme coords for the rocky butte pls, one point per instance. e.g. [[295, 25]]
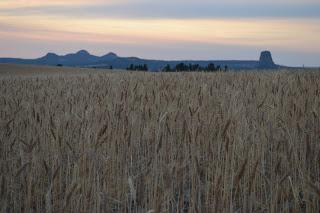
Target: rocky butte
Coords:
[[265, 61]]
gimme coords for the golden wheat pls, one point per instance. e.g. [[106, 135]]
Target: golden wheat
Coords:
[[94, 141]]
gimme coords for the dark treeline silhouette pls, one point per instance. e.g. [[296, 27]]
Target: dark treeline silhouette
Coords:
[[139, 67], [181, 67]]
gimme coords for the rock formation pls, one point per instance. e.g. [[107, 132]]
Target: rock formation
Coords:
[[265, 61]]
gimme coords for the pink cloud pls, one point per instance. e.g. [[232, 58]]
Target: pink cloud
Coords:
[[40, 3]]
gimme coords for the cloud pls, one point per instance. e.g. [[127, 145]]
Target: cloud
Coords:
[[5, 4], [165, 9], [166, 29], [286, 33]]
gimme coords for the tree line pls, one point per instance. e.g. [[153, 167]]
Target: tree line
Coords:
[[181, 67], [138, 67]]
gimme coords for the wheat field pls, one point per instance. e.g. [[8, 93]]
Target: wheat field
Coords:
[[97, 141]]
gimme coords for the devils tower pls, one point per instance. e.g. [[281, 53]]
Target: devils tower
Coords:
[[265, 61]]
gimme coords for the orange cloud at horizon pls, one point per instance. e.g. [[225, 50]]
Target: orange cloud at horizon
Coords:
[[290, 34]]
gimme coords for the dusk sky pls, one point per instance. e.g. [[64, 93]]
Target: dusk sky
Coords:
[[166, 29]]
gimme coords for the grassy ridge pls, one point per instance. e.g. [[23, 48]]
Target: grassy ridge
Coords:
[[144, 142]]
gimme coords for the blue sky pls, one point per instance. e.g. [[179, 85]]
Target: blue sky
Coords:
[[173, 29]]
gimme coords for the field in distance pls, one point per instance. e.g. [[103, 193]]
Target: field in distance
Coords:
[[80, 140], [17, 70]]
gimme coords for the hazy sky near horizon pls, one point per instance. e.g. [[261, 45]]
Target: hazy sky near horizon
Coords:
[[170, 29]]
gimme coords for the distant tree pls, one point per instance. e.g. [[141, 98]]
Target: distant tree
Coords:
[[196, 67], [138, 67], [131, 67], [188, 67], [167, 68], [181, 67], [145, 67], [211, 67], [193, 67]]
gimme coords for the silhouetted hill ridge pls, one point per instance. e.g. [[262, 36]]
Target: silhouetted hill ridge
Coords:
[[83, 58]]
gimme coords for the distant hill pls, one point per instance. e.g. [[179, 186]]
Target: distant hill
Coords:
[[84, 59]]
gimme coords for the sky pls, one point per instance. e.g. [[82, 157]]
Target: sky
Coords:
[[166, 29]]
